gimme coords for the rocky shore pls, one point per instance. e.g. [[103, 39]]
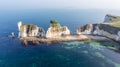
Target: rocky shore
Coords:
[[106, 31], [35, 40], [110, 28]]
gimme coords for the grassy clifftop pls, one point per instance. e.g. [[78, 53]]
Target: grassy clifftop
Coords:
[[114, 24], [114, 20]]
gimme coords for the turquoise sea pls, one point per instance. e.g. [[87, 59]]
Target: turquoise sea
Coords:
[[64, 54]]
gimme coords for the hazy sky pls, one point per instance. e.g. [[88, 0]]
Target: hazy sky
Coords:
[[60, 4]]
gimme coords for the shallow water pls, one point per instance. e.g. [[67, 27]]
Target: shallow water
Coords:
[[66, 54]]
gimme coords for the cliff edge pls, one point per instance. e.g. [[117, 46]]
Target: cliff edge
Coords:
[[110, 29], [111, 18]]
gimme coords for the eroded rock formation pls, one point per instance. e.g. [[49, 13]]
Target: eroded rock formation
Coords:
[[85, 29], [55, 30], [111, 18], [27, 30], [104, 29]]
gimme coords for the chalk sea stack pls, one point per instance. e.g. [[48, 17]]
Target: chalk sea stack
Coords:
[[55, 30], [28, 30], [58, 33]]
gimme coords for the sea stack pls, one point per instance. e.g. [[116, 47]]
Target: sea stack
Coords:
[[28, 30], [55, 30]]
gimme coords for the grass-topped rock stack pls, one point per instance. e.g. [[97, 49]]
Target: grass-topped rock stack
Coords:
[[56, 30], [55, 26], [30, 30]]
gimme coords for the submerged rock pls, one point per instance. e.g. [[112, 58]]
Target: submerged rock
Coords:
[[55, 30], [26, 30], [12, 35]]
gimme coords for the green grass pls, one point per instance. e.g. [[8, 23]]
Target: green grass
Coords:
[[25, 26], [114, 24], [114, 18], [115, 21]]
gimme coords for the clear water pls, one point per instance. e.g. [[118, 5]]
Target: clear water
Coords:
[[66, 54]]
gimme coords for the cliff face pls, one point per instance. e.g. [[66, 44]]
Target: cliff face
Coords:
[[110, 30], [102, 29], [27, 30], [85, 29], [55, 30], [111, 18]]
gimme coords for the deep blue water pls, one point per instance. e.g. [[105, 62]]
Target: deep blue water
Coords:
[[66, 54]]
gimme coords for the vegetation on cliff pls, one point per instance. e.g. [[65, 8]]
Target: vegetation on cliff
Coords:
[[28, 26], [115, 24], [113, 18], [55, 26], [54, 23], [56, 30]]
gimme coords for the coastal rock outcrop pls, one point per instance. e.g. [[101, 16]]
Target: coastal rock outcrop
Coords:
[[110, 30], [103, 30], [85, 29], [27, 30], [55, 30], [111, 18]]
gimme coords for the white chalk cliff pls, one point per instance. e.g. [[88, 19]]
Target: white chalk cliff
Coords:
[[55, 30], [85, 29], [103, 29], [27, 30], [111, 18]]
